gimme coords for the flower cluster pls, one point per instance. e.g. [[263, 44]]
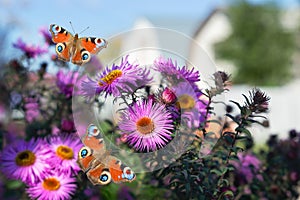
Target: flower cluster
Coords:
[[150, 119], [162, 117], [48, 168], [123, 78]]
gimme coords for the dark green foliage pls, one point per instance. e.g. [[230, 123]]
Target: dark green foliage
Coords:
[[258, 46]]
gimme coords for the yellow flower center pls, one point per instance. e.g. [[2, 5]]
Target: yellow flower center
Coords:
[[145, 125], [25, 158], [51, 184], [65, 152], [110, 77], [186, 102]]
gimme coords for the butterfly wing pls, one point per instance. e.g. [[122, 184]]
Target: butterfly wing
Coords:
[[94, 147], [85, 47], [64, 40], [100, 167], [110, 170], [119, 171]]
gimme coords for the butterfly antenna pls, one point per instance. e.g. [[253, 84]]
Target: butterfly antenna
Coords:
[[72, 26], [84, 30]]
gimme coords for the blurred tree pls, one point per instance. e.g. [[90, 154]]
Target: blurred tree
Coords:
[[258, 46]]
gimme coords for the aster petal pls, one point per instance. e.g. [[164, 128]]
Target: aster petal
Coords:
[[29, 174], [118, 79], [160, 117], [66, 189]]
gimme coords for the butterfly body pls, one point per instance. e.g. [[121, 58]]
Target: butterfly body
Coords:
[[100, 167], [79, 50]]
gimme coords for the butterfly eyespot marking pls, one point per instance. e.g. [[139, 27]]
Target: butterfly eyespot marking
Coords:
[[60, 47], [85, 55], [105, 177], [93, 130], [128, 173], [127, 170], [84, 152], [56, 28], [100, 42]]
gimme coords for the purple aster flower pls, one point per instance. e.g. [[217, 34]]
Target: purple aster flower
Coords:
[[30, 51], [247, 167], [191, 105], [65, 148], [174, 74], [65, 82], [148, 125], [26, 161], [55, 187], [121, 78], [44, 31]]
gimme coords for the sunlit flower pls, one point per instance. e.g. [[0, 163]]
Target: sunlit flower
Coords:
[[65, 82], [65, 148], [175, 74], [191, 104], [148, 126], [123, 78], [26, 161], [55, 187], [30, 51]]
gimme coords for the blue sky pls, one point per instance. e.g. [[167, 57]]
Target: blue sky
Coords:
[[104, 17]]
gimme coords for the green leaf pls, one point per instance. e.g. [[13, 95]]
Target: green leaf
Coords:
[[216, 171], [244, 130], [13, 184]]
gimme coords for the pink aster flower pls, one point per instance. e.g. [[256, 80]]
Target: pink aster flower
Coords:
[[175, 74], [31, 107], [26, 161], [65, 82], [148, 126], [55, 187], [191, 105], [123, 78], [64, 153], [168, 96], [30, 51]]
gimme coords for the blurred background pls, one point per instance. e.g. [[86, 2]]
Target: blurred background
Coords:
[[257, 41]]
